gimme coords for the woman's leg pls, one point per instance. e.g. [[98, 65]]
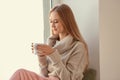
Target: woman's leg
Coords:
[[23, 74]]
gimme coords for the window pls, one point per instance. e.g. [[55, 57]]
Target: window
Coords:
[[21, 23]]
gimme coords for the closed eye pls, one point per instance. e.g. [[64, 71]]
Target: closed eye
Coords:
[[55, 21]]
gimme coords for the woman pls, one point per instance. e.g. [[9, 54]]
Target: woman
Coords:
[[65, 56]]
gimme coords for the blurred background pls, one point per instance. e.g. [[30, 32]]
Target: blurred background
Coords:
[[25, 21]]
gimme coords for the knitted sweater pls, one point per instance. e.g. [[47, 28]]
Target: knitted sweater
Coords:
[[67, 62]]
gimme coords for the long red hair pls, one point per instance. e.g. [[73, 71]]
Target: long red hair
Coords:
[[68, 22]]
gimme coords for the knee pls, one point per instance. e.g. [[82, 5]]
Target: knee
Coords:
[[20, 70], [16, 75]]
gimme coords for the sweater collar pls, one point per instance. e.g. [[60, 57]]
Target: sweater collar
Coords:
[[64, 44]]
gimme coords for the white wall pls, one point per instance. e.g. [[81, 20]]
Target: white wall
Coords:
[[109, 39], [86, 14], [21, 22]]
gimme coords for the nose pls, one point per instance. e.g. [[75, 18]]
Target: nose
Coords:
[[53, 25]]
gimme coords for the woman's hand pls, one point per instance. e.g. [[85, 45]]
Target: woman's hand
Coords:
[[43, 49]]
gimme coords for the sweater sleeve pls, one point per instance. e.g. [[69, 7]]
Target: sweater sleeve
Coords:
[[43, 65], [73, 70], [43, 60]]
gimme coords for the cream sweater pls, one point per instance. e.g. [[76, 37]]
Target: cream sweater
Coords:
[[67, 62]]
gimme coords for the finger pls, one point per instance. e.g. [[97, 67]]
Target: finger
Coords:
[[43, 47], [39, 53], [32, 48], [32, 45], [32, 51]]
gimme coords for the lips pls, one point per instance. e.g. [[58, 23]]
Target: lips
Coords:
[[54, 29]]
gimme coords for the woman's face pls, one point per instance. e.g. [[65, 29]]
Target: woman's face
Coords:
[[55, 23]]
